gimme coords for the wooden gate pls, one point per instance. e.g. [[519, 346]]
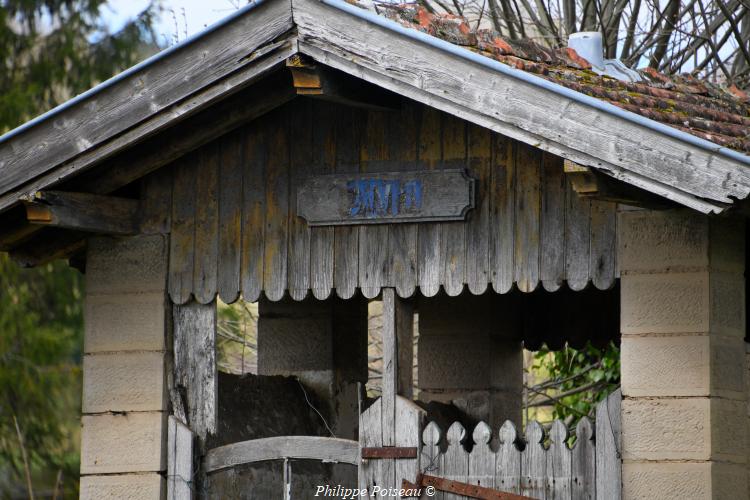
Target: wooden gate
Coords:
[[400, 452], [540, 465]]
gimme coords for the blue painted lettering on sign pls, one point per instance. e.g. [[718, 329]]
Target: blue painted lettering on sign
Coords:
[[374, 198]]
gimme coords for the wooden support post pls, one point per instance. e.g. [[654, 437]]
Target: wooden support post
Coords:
[[179, 460], [195, 366], [397, 358]]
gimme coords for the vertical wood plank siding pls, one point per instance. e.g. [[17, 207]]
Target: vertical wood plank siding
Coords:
[[235, 230]]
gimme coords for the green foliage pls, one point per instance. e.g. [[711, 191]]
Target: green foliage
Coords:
[[40, 374], [51, 50], [577, 379], [237, 337]]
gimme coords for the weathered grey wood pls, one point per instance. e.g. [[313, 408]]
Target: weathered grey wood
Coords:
[[300, 166], [126, 103], [559, 469], [402, 238], [230, 217], [182, 237], [453, 236], [502, 214], [156, 201], [392, 321], [392, 257], [583, 484], [528, 218], [325, 117], [577, 242], [348, 130], [370, 435], [179, 460], [404, 324], [409, 418], [195, 364], [424, 196], [519, 109], [429, 153], [397, 335], [253, 211], [277, 206], [534, 463], [455, 459], [326, 449], [191, 132], [508, 460], [602, 266], [430, 459], [609, 447], [552, 238], [373, 239], [478, 221], [482, 458], [83, 212], [535, 472], [205, 270]]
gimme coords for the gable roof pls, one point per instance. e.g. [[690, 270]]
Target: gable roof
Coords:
[[554, 114], [713, 112]]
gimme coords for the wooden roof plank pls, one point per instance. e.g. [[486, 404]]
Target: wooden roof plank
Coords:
[[118, 107]]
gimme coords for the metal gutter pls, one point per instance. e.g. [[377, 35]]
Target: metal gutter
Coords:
[[129, 72], [593, 102]]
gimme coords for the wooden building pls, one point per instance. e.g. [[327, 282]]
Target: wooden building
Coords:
[[311, 155]]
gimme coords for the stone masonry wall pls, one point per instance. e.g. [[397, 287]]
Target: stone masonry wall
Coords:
[[123, 449], [684, 381]]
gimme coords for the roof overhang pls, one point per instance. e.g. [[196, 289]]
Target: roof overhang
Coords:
[[195, 75]]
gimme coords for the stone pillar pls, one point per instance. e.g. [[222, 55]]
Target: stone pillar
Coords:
[[684, 415], [470, 353], [324, 344], [123, 432]]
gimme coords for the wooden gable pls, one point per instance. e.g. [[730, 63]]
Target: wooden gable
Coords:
[[234, 228]]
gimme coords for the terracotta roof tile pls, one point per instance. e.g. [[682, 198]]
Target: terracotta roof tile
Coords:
[[701, 108]]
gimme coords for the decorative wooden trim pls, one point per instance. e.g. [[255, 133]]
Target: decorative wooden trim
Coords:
[[282, 447]]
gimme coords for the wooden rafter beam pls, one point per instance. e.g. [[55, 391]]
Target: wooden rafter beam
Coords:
[[48, 245], [314, 80], [590, 183], [85, 212]]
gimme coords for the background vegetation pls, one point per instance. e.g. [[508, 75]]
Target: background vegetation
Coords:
[[50, 50]]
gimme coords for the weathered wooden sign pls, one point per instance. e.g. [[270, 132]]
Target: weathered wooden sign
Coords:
[[427, 195]]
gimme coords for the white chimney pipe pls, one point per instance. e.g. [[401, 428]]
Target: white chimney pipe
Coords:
[[589, 45]]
